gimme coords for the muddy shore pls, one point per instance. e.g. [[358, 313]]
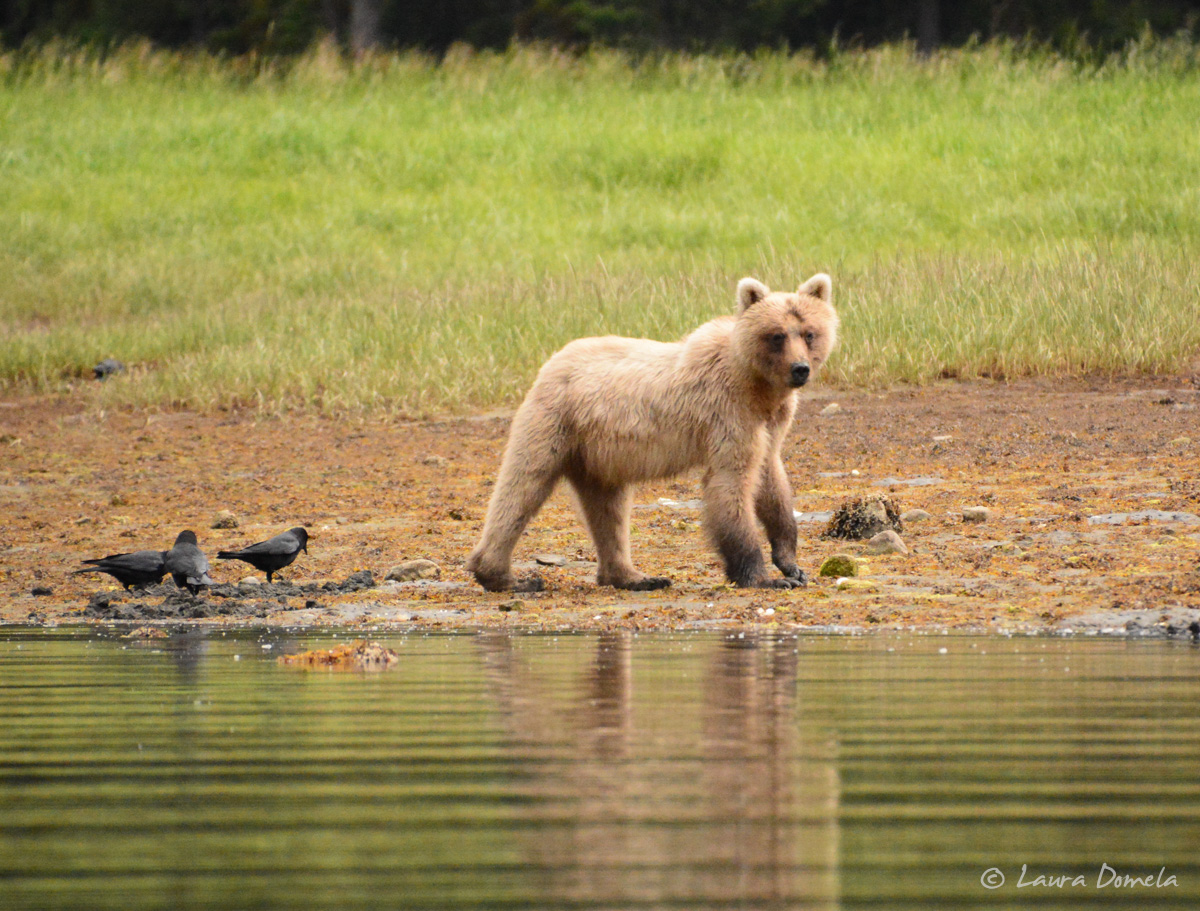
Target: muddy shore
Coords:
[[1092, 489]]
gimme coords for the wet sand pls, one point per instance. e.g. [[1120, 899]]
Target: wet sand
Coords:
[[1093, 489]]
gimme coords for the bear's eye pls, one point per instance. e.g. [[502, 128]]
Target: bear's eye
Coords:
[[777, 340], [810, 337]]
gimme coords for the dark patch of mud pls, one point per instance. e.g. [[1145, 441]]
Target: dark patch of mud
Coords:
[[237, 601]]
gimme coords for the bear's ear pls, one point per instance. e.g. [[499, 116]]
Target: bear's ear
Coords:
[[750, 292], [819, 286]]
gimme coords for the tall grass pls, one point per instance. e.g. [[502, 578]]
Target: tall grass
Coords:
[[400, 234]]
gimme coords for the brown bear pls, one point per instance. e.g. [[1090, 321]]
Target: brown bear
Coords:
[[606, 413]]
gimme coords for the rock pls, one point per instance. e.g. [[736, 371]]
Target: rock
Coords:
[[250, 582], [512, 605], [863, 518], [914, 515], [1181, 442], [108, 367], [550, 559], [357, 582], [856, 585], [118, 500], [413, 569], [1009, 548], [435, 461], [41, 591], [886, 542], [976, 514], [831, 408], [225, 519], [838, 565]]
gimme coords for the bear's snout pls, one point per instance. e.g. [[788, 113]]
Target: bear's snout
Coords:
[[800, 372]]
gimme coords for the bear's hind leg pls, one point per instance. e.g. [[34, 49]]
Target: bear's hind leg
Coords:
[[524, 484], [606, 510]]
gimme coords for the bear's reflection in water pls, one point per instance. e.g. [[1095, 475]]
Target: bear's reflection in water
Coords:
[[728, 798]]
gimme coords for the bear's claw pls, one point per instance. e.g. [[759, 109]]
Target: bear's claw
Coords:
[[783, 583], [647, 584]]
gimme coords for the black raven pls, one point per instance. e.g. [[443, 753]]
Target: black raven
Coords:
[[186, 563], [137, 569], [271, 555]]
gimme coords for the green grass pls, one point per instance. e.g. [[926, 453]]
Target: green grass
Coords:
[[407, 236]]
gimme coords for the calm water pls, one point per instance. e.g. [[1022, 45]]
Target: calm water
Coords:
[[598, 772]]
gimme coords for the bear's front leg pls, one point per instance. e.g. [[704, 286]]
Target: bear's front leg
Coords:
[[773, 505], [729, 518]]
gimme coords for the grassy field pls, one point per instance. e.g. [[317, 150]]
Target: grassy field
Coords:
[[408, 236]]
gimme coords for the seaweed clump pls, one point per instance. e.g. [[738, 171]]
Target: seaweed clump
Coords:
[[863, 518], [359, 655]]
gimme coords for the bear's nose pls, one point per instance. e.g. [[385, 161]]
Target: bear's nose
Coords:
[[800, 373]]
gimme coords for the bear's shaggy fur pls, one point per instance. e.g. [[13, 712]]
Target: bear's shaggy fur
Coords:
[[606, 413]]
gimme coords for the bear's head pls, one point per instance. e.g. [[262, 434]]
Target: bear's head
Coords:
[[784, 338]]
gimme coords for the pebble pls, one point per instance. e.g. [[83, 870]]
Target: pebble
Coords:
[[838, 565], [1181, 441], [914, 515], [41, 591], [976, 513], [250, 581], [550, 559], [436, 461], [886, 542], [413, 569], [225, 519], [831, 408]]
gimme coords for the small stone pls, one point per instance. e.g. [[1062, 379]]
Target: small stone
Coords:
[[1009, 548], [435, 461], [225, 519], [838, 565], [1181, 442], [886, 542], [413, 569], [514, 604], [856, 585], [118, 500], [41, 591], [250, 582], [550, 559], [976, 514], [831, 408], [914, 515]]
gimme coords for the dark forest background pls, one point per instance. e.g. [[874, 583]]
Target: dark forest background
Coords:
[[1073, 27]]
